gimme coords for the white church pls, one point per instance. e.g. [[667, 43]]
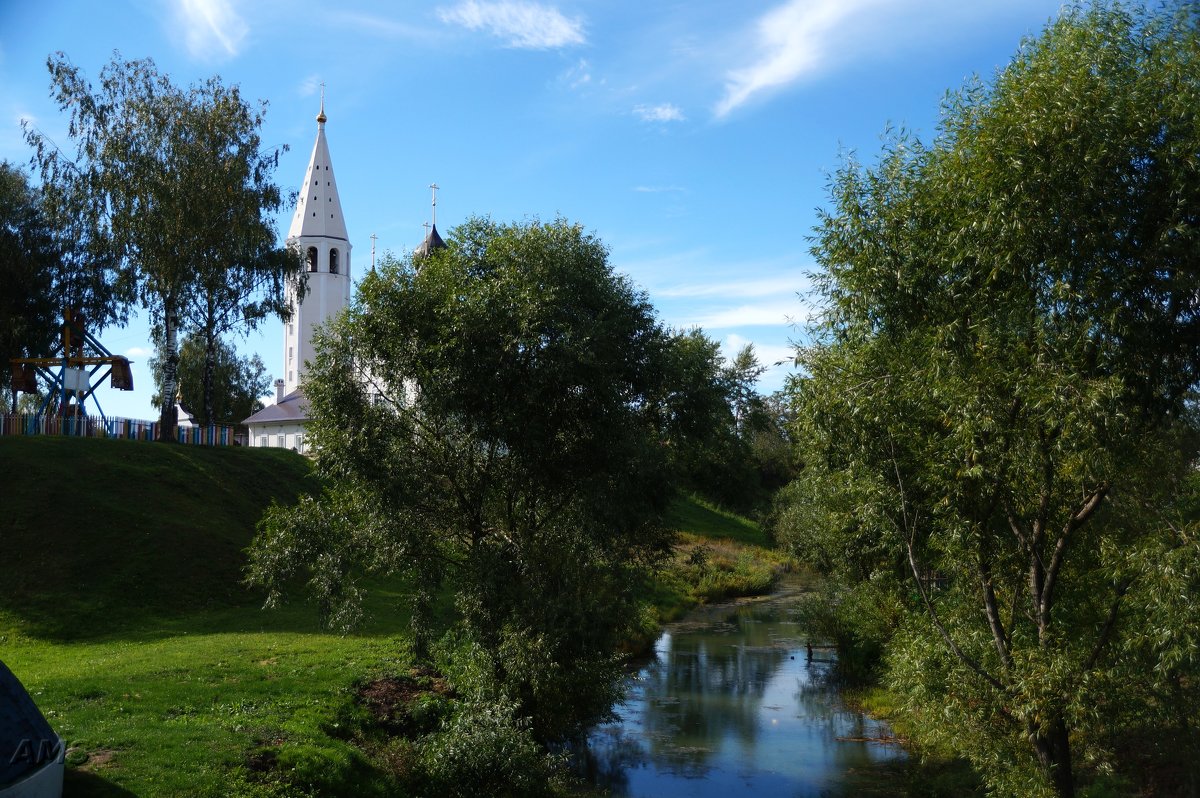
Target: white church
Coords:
[[318, 231]]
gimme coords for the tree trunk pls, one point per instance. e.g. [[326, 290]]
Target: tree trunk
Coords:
[[170, 414], [1053, 745], [210, 354]]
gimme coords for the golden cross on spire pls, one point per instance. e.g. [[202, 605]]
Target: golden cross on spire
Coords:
[[321, 116], [434, 186]]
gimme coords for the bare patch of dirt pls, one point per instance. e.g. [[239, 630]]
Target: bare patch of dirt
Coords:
[[389, 699], [95, 760]]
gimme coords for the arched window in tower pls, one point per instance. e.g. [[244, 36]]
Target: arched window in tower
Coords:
[[333, 261], [312, 259]]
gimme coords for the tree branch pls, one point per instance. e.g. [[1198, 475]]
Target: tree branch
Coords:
[[958, 652], [1081, 517], [1109, 623]]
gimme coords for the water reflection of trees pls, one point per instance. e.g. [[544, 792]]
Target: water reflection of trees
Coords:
[[708, 688], [705, 693]]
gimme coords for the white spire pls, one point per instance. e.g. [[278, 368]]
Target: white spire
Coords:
[[318, 209]]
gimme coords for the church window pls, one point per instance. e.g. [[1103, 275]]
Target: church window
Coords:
[[262, 441], [312, 257], [279, 441], [333, 260]]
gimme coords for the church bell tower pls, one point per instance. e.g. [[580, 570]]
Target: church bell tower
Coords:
[[318, 232]]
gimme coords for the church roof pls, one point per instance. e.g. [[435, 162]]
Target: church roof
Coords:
[[292, 408], [23, 730], [318, 209], [432, 241]]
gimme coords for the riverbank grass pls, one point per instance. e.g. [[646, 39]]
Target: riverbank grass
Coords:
[[718, 555]]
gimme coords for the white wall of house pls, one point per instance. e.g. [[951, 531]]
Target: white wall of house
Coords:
[[278, 436]]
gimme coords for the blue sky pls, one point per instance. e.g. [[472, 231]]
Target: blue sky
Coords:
[[694, 138]]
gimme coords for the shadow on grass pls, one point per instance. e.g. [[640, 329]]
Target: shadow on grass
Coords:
[[80, 621], [86, 784]]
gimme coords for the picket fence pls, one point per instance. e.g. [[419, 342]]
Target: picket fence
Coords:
[[124, 428]]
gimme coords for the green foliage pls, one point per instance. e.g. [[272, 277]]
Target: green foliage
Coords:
[[490, 421], [725, 441], [995, 422], [237, 382], [485, 748], [31, 273], [167, 201]]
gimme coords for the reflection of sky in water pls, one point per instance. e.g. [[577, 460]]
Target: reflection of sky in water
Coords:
[[730, 706]]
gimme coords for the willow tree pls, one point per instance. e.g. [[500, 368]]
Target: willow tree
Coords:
[[995, 417], [166, 186], [490, 422]]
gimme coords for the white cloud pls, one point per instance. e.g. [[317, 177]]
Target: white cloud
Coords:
[[523, 25], [764, 315], [209, 25], [787, 285], [794, 40], [665, 112], [660, 189], [138, 351], [769, 355]]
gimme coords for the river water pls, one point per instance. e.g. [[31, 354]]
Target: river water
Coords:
[[730, 705]]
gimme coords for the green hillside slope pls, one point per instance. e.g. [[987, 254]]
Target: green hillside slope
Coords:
[[99, 535], [122, 609]]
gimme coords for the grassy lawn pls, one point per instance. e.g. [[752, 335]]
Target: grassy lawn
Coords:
[[123, 612], [186, 712]]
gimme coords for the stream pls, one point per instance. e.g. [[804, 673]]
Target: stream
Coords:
[[730, 705]]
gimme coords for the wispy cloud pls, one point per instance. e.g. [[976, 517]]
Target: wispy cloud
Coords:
[[384, 27], [210, 25], [783, 285], [138, 351], [757, 315], [523, 25], [310, 85], [577, 76], [659, 189], [794, 41], [665, 112]]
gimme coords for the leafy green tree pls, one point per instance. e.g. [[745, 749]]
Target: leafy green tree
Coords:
[[234, 383], [241, 271], [741, 375], [167, 191], [491, 424], [995, 420], [30, 272]]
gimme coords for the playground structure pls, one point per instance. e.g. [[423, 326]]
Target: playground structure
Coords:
[[71, 371]]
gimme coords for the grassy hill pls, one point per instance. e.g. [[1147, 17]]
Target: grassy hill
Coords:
[[103, 534], [123, 611]]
